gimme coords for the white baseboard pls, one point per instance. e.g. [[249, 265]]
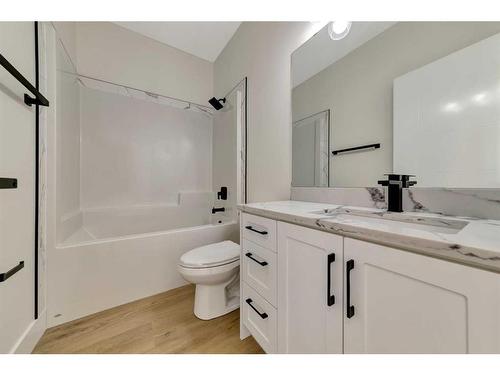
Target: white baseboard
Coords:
[[32, 335]]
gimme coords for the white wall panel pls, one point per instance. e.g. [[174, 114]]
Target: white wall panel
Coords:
[[139, 152]]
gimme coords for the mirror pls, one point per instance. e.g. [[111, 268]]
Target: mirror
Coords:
[[418, 98]]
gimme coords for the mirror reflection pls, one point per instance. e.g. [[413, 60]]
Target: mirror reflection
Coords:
[[418, 98]]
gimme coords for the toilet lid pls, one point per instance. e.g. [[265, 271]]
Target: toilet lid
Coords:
[[212, 255]]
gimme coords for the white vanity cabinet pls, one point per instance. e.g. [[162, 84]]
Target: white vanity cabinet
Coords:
[[258, 312], [310, 275], [309, 291], [403, 302]]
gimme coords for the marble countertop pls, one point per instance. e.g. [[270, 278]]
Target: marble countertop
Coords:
[[470, 241]]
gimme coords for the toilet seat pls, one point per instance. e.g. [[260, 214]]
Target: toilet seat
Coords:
[[213, 255]]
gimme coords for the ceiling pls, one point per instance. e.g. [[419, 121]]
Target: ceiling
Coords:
[[202, 39], [326, 51]]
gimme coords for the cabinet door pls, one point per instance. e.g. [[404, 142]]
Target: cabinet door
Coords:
[[402, 302], [309, 310], [17, 206]]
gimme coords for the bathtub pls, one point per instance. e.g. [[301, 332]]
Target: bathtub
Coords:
[[119, 255]]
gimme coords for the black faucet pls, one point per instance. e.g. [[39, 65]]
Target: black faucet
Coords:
[[395, 184], [214, 210]]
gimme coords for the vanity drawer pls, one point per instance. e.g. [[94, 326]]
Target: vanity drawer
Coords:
[[260, 230], [259, 269], [260, 318]]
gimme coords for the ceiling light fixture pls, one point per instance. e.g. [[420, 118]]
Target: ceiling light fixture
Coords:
[[339, 29]]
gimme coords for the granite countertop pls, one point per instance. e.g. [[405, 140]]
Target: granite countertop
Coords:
[[470, 241]]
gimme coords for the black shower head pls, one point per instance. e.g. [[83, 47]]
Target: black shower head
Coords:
[[216, 103]]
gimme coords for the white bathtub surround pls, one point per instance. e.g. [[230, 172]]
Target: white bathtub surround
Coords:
[[70, 223], [373, 197], [135, 152], [464, 240]]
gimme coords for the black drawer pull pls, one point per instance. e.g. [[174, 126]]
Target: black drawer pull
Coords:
[[348, 267], [249, 255], [262, 315], [4, 276], [263, 232], [330, 298]]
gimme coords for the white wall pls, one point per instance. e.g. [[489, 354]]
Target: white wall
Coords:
[[136, 152], [110, 52], [261, 51], [358, 91]]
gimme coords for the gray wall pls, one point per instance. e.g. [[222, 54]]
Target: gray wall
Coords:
[[113, 53], [261, 51], [358, 91]]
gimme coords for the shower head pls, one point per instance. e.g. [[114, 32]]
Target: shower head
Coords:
[[216, 103]]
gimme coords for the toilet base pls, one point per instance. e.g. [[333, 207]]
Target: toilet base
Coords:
[[212, 301]]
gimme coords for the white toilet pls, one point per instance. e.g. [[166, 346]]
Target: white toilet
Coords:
[[215, 269]]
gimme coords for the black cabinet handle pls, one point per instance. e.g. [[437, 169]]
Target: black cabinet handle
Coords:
[[4, 276], [8, 183], [348, 267], [263, 232], [262, 315], [330, 298], [249, 255]]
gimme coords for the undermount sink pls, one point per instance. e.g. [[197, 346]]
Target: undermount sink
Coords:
[[394, 220]]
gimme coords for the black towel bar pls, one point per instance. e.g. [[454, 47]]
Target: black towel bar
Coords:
[[4, 276], [39, 98], [373, 145]]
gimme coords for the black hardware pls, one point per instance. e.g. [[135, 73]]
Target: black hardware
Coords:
[[395, 184], [39, 98], [8, 183], [262, 315], [249, 255], [373, 145], [330, 298], [37, 167], [216, 103], [263, 232], [221, 209], [222, 194], [348, 267], [4, 276]]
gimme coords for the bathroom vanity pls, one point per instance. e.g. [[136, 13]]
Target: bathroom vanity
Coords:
[[322, 278]]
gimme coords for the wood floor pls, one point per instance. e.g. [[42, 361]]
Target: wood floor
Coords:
[[163, 323]]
